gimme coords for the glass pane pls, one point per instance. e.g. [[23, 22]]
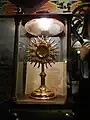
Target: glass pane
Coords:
[[28, 75]]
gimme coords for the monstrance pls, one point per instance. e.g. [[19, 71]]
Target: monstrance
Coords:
[[42, 50]]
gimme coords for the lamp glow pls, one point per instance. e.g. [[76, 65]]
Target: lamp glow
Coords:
[[78, 51], [45, 23]]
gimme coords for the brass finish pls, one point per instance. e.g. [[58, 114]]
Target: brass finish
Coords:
[[42, 93], [42, 51]]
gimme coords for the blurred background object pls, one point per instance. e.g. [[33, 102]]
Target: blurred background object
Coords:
[[24, 6]]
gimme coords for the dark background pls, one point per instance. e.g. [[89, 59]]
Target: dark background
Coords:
[[6, 57]]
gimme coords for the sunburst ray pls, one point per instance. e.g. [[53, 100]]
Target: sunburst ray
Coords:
[[35, 64], [55, 44], [49, 64], [46, 65], [52, 41], [38, 64], [52, 49]]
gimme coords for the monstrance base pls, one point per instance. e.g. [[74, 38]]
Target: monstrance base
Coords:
[[42, 93]]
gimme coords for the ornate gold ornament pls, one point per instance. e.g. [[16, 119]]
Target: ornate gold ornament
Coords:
[[42, 51]]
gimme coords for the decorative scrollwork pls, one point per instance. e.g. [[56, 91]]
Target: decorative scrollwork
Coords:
[[77, 23]]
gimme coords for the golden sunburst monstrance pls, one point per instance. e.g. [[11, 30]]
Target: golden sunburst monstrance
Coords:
[[42, 51]]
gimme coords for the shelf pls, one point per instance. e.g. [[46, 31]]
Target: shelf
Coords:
[[26, 100]]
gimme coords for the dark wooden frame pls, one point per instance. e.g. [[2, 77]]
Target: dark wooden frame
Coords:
[[17, 19]]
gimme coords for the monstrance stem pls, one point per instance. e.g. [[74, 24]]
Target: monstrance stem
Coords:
[[42, 74]]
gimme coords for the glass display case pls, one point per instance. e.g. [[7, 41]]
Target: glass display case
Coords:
[[41, 58]]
